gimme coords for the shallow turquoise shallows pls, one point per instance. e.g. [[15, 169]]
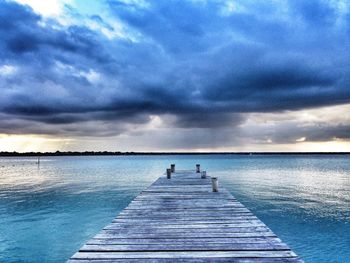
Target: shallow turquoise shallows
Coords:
[[48, 212]]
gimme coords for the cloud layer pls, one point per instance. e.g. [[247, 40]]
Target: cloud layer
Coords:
[[201, 66]]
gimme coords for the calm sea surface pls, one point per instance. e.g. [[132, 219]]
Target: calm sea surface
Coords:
[[48, 212]]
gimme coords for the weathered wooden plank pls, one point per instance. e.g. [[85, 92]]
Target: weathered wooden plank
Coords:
[[191, 203], [156, 186], [190, 227], [186, 240], [183, 192], [186, 226], [171, 221], [184, 235], [185, 247], [192, 219], [184, 254], [182, 204], [179, 218], [176, 208], [184, 207], [185, 204], [189, 260], [166, 197], [184, 213], [198, 231]]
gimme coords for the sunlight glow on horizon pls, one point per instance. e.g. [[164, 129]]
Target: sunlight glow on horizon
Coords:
[[37, 143], [31, 143]]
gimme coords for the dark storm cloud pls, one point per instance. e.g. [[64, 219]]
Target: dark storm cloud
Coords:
[[271, 87], [21, 33], [197, 61]]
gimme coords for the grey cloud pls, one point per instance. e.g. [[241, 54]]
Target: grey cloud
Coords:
[[291, 132], [214, 120]]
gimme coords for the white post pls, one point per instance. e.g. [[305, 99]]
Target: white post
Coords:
[[168, 173], [198, 168], [172, 168], [204, 174], [215, 184]]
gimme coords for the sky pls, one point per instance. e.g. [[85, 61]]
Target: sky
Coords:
[[164, 75]]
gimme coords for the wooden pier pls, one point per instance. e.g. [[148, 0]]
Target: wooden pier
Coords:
[[181, 219]]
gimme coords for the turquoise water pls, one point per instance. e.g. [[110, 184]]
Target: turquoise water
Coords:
[[48, 212]]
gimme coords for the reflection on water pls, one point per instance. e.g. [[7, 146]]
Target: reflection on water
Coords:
[[47, 212]]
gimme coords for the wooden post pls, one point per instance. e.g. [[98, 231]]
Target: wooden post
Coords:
[[168, 173], [172, 168], [215, 184], [198, 168], [204, 174]]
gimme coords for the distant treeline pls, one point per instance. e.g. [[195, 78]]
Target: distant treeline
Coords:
[[93, 153]]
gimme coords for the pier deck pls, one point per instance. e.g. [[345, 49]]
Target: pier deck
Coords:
[[182, 220]]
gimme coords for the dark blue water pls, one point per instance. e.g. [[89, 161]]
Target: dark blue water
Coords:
[[48, 212]]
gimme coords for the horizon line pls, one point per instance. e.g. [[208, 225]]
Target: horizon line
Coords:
[[116, 153]]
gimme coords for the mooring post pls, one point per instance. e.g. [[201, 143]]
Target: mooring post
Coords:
[[198, 168], [172, 168], [168, 173], [215, 184], [204, 174]]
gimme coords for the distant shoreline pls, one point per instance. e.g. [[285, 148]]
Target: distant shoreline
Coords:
[[106, 153]]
